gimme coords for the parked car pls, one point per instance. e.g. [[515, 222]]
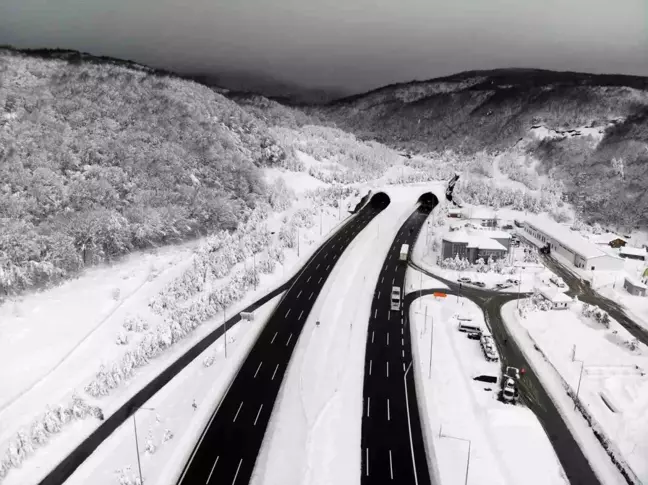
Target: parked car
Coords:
[[503, 286], [463, 279], [513, 281], [509, 390], [517, 223], [488, 347], [481, 284], [474, 335], [507, 226], [558, 281]]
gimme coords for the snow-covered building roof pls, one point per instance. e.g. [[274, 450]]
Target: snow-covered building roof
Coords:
[[633, 251], [565, 236], [479, 213], [607, 238], [635, 282], [474, 241], [494, 234], [554, 295]]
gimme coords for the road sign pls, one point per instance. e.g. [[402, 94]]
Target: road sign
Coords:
[[439, 294]]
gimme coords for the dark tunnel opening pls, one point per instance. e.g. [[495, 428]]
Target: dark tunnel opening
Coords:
[[428, 201], [380, 200]]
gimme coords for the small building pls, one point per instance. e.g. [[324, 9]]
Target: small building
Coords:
[[570, 245], [502, 237], [454, 213], [481, 216], [629, 252], [634, 286], [610, 239], [471, 247], [557, 299]]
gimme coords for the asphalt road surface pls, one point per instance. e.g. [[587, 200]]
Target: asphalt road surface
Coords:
[[533, 394], [393, 450], [228, 448], [584, 291]]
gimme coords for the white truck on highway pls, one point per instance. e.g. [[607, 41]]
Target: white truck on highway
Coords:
[[395, 298], [404, 251]]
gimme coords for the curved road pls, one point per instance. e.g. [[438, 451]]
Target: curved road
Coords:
[[392, 445], [572, 459], [228, 448]]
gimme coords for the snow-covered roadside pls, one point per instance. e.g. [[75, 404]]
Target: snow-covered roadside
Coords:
[[171, 409], [507, 443], [553, 384], [78, 368], [613, 390], [315, 425], [416, 280]]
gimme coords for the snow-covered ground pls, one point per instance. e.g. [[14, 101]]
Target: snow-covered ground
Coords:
[[614, 384], [554, 383], [171, 409], [72, 329], [316, 422], [507, 443]]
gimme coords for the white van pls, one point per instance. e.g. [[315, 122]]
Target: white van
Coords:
[[395, 298]]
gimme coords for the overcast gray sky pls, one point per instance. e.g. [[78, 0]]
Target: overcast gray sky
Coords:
[[356, 44]]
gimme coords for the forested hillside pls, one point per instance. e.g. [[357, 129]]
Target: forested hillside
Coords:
[[590, 131], [99, 159]]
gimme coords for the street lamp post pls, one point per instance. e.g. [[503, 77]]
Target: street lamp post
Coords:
[[431, 341], [579, 380], [225, 332], [139, 464], [441, 435]]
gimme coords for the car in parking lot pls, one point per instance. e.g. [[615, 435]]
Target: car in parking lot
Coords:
[[474, 335], [513, 281], [463, 279], [480, 284], [503, 286]]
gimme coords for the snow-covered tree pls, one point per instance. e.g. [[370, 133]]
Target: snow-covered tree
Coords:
[[150, 444], [168, 435], [122, 338]]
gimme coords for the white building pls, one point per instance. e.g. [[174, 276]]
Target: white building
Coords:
[[570, 245], [629, 252], [481, 216], [557, 299]]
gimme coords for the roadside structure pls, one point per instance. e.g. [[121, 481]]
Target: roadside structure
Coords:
[[557, 299], [634, 286], [569, 245]]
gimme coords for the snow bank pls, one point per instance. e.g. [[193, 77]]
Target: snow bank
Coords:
[[508, 444], [554, 385]]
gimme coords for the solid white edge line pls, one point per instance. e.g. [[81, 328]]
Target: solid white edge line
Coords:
[[212, 469], [409, 424], [237, 471]]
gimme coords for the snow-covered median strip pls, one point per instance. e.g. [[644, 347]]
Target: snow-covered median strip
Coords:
[[507, 443], [554, 385]]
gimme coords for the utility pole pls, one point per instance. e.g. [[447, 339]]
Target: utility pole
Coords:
[[320, 221], [579, 381], [441, 435], [431, 342], [254, 270], [139, 464], [297, 242]]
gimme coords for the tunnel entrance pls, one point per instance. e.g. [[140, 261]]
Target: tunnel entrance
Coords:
[[380, 201], [428, 201]]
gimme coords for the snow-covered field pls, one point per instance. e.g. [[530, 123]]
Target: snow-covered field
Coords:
[[316, 422], [73, 329], [507, 443], [555, 387], [172, 409], [614, 384]]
